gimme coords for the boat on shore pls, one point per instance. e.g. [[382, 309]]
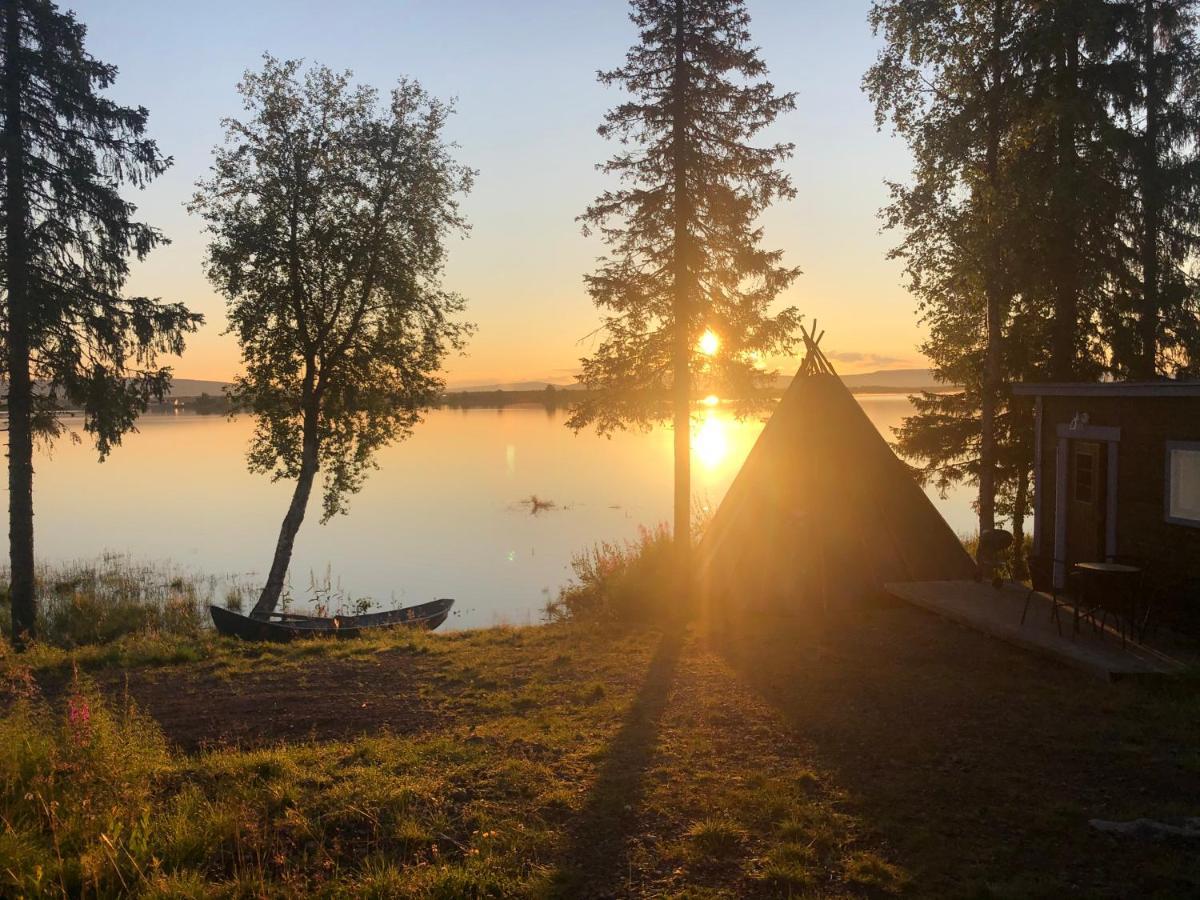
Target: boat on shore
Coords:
[[282, 627]]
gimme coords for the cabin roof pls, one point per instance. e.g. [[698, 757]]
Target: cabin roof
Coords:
[[1108, 389]]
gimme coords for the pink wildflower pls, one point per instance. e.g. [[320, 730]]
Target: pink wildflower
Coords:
[[79, 717]]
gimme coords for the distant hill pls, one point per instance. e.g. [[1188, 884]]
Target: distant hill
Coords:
[[511, 386], [889, 380], [893, 379], [192, 387]]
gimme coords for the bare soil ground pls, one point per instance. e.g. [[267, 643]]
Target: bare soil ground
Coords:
[[202, 706]]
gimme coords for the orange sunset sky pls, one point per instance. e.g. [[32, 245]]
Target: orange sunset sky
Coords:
[[528, 104]]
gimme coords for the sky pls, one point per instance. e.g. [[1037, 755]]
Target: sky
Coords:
[[528, 103]]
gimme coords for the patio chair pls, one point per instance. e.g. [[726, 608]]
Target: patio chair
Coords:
[[1041, 580]]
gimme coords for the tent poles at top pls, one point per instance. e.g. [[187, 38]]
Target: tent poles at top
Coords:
[[815, 361]]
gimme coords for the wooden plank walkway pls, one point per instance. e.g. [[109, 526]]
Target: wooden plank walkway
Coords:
[[998, 613]]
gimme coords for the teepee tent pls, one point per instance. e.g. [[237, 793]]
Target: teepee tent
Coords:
[[823, 510]]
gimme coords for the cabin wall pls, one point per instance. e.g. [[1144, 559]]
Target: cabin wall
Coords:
[[1170, 551]]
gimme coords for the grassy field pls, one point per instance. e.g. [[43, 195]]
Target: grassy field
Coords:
[[887, 753]]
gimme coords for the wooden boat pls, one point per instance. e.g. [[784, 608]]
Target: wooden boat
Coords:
[[290, 626]]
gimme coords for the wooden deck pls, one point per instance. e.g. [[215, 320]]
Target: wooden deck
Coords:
[[998, 613]]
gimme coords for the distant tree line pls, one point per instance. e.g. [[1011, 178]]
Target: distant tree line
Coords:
[[1051, 223]]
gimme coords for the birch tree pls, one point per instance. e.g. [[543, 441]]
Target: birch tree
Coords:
[[329, 207]]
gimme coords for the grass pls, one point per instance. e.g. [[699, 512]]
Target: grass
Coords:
[[885, 754], [98, 602], [1009, 565], [552, 761]]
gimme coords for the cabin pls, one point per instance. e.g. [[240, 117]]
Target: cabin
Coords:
[[1117, 478]]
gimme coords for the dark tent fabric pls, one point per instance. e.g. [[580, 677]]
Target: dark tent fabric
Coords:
[[823, 510]]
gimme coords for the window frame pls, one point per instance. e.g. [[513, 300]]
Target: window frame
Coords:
[[1172, 446]]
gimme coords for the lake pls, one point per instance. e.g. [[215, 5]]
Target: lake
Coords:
[[443, 517]]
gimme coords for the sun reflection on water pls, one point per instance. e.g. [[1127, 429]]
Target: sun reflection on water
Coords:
[[720, 442]]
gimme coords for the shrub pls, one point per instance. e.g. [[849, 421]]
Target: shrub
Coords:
[[1012, 566], [626, 582]]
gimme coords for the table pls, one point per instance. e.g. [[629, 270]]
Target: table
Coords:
[[1107, 580]]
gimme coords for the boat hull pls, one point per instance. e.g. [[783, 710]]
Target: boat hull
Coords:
[[283, 627]]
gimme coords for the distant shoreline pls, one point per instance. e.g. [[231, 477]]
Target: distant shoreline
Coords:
[[561, 398]]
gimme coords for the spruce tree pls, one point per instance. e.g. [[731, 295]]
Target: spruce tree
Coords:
[[71, 338], [684, 247], [949, 79], [1154, 325], [1071, 176]]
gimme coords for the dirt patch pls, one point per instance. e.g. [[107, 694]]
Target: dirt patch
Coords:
[[200, 707]]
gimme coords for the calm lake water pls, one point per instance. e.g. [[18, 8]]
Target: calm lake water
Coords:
[[443, 516]]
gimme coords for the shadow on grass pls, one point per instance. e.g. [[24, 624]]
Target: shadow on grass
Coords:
[[596, 862], [980, 763]]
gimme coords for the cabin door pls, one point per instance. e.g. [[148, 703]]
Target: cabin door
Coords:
[[1087, 501]]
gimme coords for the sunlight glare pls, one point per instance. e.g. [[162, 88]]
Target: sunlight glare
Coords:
[[712, 400], [711, 442], [709, 343]]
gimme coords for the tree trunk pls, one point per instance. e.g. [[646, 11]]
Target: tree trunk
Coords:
[[994, 295], [1146, 365], [1066, 288], [1020, 567], [681, 347], [20, 388], [269, 598]]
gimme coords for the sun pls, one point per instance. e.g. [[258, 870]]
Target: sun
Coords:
[[709, 343]]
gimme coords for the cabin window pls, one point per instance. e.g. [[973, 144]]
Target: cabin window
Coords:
[[1085, 476], [1183, 483]]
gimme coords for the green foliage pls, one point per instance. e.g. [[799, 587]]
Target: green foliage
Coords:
[[684, 246], [620, 582], [93, 348], [1153, 324], [329, 208], [1049, 228]]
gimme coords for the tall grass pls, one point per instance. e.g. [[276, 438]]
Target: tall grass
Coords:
[[99, 601], [95, 603], [76, 792], [620, 581]]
